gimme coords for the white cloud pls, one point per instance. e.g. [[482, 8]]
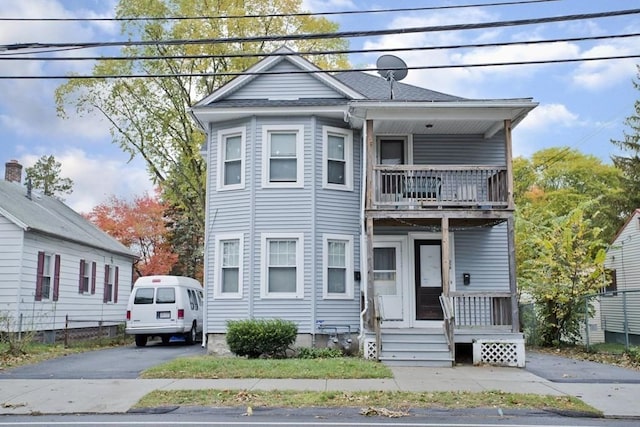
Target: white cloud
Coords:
[[96, 178], [545, 116], [602, 74]]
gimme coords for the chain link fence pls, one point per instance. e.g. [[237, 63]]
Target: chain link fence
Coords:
[[612, 317]]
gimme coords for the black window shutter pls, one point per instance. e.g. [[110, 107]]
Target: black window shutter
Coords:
[[81, 279], [56, 278], [115, 286], [105, 298], [93, 278], [40, 272]]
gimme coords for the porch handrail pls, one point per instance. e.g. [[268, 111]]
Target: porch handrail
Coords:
[[455, 186], [449, 324], [482, 309], [378, 319]]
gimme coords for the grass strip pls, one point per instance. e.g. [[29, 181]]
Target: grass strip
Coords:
[[211, 367], [394, 400]]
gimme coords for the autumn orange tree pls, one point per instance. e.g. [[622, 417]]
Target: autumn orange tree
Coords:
[[141, 226]]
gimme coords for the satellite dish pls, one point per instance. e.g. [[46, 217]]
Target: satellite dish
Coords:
[[392, 69]]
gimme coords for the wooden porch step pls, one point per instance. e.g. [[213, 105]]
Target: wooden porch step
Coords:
[[415, 347]]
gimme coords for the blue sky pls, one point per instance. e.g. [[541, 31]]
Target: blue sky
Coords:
[[582, 105]]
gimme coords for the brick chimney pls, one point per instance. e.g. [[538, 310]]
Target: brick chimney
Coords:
[[13, 171]]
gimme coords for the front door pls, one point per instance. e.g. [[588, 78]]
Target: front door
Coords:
[[428, 279]]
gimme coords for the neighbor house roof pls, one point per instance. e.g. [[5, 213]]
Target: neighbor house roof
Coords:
[[48, 215]]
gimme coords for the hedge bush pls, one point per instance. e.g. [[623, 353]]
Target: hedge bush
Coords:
[[319, 353], [261, 337]]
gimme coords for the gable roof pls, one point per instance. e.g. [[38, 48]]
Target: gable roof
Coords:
[[50, 216], [282, 54], [635, 213]]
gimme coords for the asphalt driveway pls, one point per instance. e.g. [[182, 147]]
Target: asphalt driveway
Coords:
[[113, 363], [564, 370]]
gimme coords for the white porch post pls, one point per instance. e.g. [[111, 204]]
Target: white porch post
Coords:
[[446, 257]]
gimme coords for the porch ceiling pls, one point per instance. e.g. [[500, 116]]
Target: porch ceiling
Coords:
[[435, 127]]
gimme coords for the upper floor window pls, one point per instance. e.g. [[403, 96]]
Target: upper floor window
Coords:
[[337, 158], [231, 158], [283, 156], [338, 266], [229, 266], [283, 265]]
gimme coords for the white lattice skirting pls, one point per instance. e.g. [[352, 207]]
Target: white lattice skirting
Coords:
[[499, 352], [370, 349]]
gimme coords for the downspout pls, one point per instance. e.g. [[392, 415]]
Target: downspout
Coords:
[[363, 235], [252, 218], [207, 229], [314, 264]]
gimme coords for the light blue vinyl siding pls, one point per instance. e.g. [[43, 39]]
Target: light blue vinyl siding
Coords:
[[483, 253], [10, 265], [254, 210], [291, 84], [459, 150]]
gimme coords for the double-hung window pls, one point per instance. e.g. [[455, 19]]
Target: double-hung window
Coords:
[[283, 156], [337, 171], [47, 277], [231, 151], [338, 266], [229, 250], [85, 276], [111, 273], [283, 265]]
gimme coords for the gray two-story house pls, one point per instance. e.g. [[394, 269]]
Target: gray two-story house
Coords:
[[367, 211]]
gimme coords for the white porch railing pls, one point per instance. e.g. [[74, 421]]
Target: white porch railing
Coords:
[[482, 309], [461, 186]]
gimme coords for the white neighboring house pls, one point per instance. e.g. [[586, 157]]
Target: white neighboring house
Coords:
[[54, 263], [621, 305]]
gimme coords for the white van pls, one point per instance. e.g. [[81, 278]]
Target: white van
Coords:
[[165, 306]]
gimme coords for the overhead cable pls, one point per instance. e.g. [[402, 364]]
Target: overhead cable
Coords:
[[244, 73], [11, 56], [279, 15], [316, 36]]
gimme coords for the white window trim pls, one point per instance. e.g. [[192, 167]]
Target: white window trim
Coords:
[[348, 158], [88, 265], [217, 288], [266, 145], [222, 135], [348, 266], [264, 288]]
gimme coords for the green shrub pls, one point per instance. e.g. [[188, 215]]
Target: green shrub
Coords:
[[261, 337], [319, 353]]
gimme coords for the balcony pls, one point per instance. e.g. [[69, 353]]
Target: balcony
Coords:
[[439, 187]]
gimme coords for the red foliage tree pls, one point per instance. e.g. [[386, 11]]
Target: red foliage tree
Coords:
[[140, 225]]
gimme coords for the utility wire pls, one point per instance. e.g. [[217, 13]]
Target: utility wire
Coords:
[[10, 56], [316, 36], [279, 15], [245, 73]]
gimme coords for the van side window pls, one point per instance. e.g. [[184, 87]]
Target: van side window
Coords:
[[192, 300], [143, 296], [166, 296]]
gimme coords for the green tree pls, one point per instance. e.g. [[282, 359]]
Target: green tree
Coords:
[[149, 116], [629, 164], [45, 175], [556, 180], [565, 263]]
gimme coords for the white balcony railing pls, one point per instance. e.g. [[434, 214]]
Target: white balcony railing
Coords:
[[482, 309], [452, 186]]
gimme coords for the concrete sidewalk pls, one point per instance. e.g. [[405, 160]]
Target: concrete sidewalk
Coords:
[[118, 396]]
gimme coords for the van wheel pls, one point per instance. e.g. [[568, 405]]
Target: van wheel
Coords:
[[165, 339], [141, 340], [191, 337]]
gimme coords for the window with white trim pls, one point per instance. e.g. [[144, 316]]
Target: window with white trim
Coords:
[[337, 158], [47, 273], [283, 265], [231, 155], [283, 156], [229, 248], [338, 266], [85, 276]]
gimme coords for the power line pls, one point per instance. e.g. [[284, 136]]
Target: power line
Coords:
[[9, 56], [233, 74], [316, 36], [279, 15]]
